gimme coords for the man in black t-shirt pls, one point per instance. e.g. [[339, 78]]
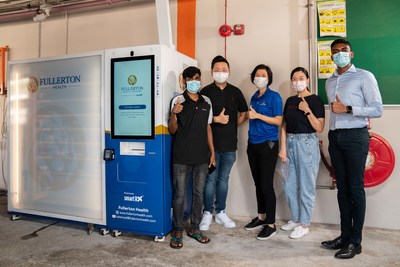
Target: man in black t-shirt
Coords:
[[230, 110], [192, 154]]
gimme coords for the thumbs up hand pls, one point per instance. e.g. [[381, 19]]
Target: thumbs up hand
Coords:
[[338, 107], [222, 118], [252, 113], [177, 107], [303, 105]]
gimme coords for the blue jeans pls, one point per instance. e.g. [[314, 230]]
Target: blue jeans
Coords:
[[217, 182], [179, 183], [304, 157], [348, 149]]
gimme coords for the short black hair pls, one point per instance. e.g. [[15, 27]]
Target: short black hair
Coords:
[[189, 72], [262, 67], [303, 70], [217, 59], [340, 41]]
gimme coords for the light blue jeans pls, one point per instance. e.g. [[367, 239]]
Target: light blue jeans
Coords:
[[304, 157], [217, 182]]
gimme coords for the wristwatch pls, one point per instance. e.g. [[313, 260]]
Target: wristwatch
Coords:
[[349, 109]]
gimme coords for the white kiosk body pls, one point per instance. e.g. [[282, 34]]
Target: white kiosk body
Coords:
[[140, 83], [55, 121], [88, 137]]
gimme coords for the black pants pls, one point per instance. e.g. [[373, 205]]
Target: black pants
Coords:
[[262, 160], [348, 149]]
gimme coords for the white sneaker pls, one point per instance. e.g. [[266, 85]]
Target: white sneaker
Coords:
[[222, 218], [289, 226], [299, 232], [206, 221]]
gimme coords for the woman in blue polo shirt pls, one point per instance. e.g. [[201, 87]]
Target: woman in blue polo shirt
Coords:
[[262, 150]]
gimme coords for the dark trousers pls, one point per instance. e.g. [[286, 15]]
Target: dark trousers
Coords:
[[179, 183], [348, 149], [262, 160]]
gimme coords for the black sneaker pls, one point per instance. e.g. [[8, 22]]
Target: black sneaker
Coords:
[[266, 232], [255, 224]]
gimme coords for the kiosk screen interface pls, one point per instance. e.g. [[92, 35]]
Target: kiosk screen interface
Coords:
[[132, 97]]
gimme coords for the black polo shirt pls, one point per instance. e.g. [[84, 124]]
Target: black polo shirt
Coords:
[[190, 142], [232, 99]]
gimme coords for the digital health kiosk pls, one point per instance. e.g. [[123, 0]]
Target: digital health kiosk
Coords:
[[88, 137], [142, 81]]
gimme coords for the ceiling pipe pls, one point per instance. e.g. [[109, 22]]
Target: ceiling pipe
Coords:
[[29, 14]]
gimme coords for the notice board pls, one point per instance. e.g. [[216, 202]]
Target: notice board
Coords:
[[373, 29]]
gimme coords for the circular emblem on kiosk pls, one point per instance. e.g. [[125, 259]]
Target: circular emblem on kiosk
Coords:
[[33, 84], [132, 80]]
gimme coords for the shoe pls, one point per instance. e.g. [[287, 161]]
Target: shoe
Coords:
[[206, 221], [348, 251], [299, 232], [336, 243], [255, 224], [289, 226], [222, 218], [266, 232]]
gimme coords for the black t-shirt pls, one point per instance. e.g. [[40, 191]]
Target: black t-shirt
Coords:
[[190, 142], [296, 121], [232, 99]]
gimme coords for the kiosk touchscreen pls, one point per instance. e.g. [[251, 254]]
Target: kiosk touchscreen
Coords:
[[132, 97]]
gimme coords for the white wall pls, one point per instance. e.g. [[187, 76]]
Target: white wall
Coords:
[[276, 34]]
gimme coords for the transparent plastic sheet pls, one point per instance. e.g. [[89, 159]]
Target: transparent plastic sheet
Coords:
[[282, 168]]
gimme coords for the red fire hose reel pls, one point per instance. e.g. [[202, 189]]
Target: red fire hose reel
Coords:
[[379, 165], [380, 161]]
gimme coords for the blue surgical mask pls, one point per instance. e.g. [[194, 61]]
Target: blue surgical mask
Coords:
[[193, 86], [341, 59]]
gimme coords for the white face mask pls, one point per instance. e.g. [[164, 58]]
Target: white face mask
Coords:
[[261, 82], [299, 85], [220, 77]]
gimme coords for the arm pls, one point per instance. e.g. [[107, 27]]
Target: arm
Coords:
[[372, 98], [282, 141], [242, 117], [173, 123], [277, 120], [173, 119], [210, 145], [317, 123]]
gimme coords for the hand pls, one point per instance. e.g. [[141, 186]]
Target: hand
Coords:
[[338, 107], [212, 160], [177, 107], [303, 105], [252, 113], [282, 155], [222, 118]]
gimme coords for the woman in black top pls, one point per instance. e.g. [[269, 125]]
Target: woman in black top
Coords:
[[303, 116]]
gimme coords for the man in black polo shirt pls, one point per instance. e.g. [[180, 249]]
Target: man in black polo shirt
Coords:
[[192, 153], [230, 110]]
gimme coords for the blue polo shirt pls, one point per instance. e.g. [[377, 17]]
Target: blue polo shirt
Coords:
[[269, 104]]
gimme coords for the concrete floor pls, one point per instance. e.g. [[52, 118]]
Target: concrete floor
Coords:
[[68, 244]]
